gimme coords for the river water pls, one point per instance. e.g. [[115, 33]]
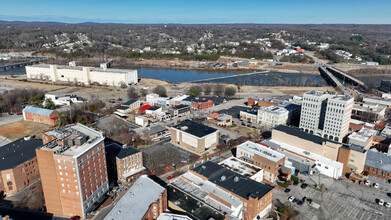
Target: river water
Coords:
[[263, 79]]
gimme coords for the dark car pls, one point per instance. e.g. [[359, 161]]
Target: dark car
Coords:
[[295, 200], [299, 202], [304, 199], [295, 183], [304, 185], [287, 190]]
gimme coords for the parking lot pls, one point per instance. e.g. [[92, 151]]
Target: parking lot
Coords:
[[340, 199]]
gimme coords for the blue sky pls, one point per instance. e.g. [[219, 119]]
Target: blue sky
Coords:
[[199, 11]]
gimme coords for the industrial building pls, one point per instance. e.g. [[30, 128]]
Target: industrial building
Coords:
[[72, 166], [84, 75]]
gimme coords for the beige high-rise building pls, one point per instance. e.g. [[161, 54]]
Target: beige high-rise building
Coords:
[[72, 166], [326, 115]]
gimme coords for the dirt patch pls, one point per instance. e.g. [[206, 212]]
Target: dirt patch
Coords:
[[244, 131], [20, 129]]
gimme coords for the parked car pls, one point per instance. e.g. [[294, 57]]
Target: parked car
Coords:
[[287, 190], [367, 182], [387, 204], [299, 202], [295, 183], [170, 177], [291, 198], [380, 202], [304, 185], [304, 199], [376, 185]]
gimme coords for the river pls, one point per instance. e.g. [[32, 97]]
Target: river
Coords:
[[263, 79]]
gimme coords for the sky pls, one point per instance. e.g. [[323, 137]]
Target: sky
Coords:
[[200, 11]]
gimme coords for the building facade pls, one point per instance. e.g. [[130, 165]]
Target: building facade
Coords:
[[41, 115], [326, 115], [272, 116], [353, 158], [73, 169], [19, 167], [378, 164], [220, 119], [129, 106], [371, 113], [269, 160], [194, 137], [85, 75]]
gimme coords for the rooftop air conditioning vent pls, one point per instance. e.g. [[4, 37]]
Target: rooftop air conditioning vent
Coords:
[[223, 178], [236, 179]]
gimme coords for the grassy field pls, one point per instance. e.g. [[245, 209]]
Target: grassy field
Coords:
[[245, 131], [20, 129]]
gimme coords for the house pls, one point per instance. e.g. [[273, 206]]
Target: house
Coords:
[[220, 119], [194, 137], [41, 115], [145, 200], [129, 106], [234, 194], [266, 158], [18, 167]]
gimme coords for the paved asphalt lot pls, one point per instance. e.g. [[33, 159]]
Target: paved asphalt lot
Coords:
[[341, 199]]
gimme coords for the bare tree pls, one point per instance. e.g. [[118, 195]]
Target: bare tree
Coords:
[[132, 93], [230, 91], [160, 90], [219, 90]]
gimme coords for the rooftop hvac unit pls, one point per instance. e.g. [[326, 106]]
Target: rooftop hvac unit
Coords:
[[184, 128]]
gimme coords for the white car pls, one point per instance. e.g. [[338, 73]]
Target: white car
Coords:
[[381, 202], [376, 185], [387, 204], [367, 182], [291, 198]]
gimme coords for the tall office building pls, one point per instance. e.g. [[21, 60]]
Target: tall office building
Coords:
[[326, 115], [72, 167]]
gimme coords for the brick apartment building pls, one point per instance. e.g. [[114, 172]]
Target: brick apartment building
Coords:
[[269, 160], [194, 137], [123, 162], [73, 169], [19, 167], [202, 104], [41, 115], [145, 200], [234, 194]]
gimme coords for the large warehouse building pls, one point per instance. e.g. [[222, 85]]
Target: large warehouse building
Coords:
[[86, 75]]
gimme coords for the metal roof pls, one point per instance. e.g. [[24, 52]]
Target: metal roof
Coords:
[[378, 160], [137, 200], [35, 110]]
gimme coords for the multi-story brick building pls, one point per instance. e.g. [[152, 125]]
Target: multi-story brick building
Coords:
[[124, 162], [18, 167], [353, 158], [73, 169], [145, 200], [41, 115], [194, 137], [378, 164], [232, 193], [269, 160]]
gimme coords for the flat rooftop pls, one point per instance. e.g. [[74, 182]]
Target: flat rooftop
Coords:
[[294, 131], [137, 200], [261, 151], [76, 138], [241, 167], [18, 152], [231, 181], [364, 134], [274, 109], [96, 69], [194, 128]]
